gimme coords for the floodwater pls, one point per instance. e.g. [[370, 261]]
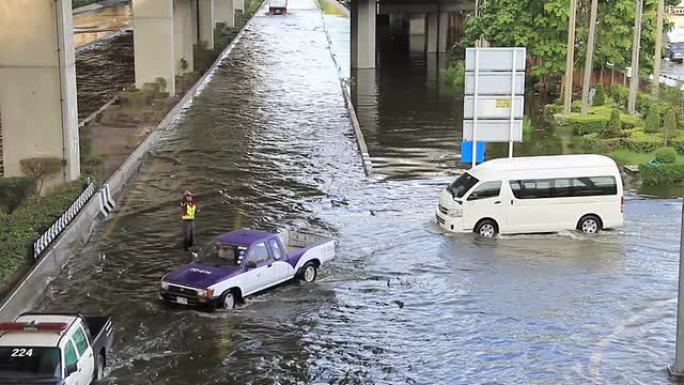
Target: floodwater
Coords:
[[95, 25], [268, 144]]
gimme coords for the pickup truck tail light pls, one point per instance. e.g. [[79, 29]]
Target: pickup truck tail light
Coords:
[[30, 326], [622, 204]]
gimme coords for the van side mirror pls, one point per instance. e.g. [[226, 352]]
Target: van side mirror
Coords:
[[472, 196], [251, 265], [71, 369]]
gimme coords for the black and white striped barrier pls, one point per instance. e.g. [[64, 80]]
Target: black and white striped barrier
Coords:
[[60, 224], [106, 202]]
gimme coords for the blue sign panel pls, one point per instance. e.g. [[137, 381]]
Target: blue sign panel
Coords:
[[467, 152]]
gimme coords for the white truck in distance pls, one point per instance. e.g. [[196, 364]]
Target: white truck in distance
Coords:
[[54, 349]]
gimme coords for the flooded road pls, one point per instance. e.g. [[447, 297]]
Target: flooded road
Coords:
[[94, 25], [268, 144]]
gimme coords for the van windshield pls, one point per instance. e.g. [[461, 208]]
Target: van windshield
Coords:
[[29, 362], [462, 185]]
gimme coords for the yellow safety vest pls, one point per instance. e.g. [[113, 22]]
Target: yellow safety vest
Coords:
[[189, 213]]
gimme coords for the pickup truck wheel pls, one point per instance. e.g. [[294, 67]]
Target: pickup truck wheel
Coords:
[[99, 369], [228, 301], [309, 272]]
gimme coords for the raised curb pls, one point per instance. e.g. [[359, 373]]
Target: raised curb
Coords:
[[360, 140], [77, 234]]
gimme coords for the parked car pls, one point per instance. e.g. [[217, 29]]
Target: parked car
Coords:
[[534, 195], [674, 45], [56, 349], [243, 262]]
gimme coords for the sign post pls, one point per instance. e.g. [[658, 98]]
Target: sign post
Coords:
[[494, 95]]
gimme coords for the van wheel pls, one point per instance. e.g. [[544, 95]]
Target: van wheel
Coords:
[[228, 301], [309, 272], [589, 224], [487, 228]]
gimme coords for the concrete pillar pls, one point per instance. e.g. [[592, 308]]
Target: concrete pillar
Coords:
[[432, 32], [183, 36], [225, 12], [206, 23], [364, 93], [154, 43], [363, 13], [396, 22], [443, 43], [38, 108], [239, 5], [417, 24], [195, 23]]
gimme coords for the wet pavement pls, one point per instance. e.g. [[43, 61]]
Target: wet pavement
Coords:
[[268, 144]]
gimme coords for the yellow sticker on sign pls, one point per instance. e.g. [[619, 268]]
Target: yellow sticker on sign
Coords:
[[503, 103]]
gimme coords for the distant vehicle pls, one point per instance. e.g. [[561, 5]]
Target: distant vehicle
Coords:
[[534, 195], [277, 7], [244, 262], [54, 349], [674, 45]]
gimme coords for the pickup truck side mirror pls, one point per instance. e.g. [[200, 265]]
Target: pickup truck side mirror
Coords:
[[251, 265], [71, 369]]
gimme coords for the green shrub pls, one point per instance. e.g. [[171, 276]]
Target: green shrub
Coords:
[[677, 144], [666, 155], [661, 174], [644, 102], [550, 110], [454, 75], [14, 191], [576, 106], [595, 144], [599, 96], [652, 122], [670, 124], [619, 94], [587, 124], [614, 125], [630, 121], [640, 141]]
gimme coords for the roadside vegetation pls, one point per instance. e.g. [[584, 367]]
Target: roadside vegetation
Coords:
[[329, 8]]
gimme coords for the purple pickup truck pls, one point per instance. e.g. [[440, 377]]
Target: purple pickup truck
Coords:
[[244, 262]]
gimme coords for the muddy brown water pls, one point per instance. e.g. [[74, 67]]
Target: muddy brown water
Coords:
[[268, 144]]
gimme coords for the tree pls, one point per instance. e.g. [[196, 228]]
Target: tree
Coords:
[[652, 123], [542, 27], [670, 126], [614, 126], [600, 96]]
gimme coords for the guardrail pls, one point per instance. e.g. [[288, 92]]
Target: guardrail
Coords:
[[62, 222]]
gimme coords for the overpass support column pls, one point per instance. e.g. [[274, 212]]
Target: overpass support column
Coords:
[[38, 74], [363, 15], [225, 12], [432, 32], [443, 44], [396, 21], [183, 35], [417, 33], [153, 43], [239, 5], [206, 23]]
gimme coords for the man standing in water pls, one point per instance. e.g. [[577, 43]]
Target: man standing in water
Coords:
[[188, 216]]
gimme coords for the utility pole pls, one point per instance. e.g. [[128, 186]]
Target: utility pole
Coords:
[[589, 63], [677, 369], [570, 59], [634, 82], [655, 87]]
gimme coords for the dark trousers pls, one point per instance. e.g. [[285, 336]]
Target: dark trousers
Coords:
[[188, 233]]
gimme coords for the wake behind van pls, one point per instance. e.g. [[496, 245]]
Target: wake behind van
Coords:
[[534, 195]]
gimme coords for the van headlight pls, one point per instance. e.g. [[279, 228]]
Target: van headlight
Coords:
[[455, 212]]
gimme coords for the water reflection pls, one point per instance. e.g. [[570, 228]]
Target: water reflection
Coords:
[[95, 25]]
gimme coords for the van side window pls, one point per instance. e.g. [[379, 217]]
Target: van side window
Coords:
[[70, 356], [80, 341], [485, 190], [564, 187]]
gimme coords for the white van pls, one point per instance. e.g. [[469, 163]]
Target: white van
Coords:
[[534, 195]]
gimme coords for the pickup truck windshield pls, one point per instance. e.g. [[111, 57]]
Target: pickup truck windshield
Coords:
[[29, 362], [462, 185], [223, 254]]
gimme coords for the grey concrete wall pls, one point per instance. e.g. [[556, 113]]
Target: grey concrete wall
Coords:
[[30, 289]]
